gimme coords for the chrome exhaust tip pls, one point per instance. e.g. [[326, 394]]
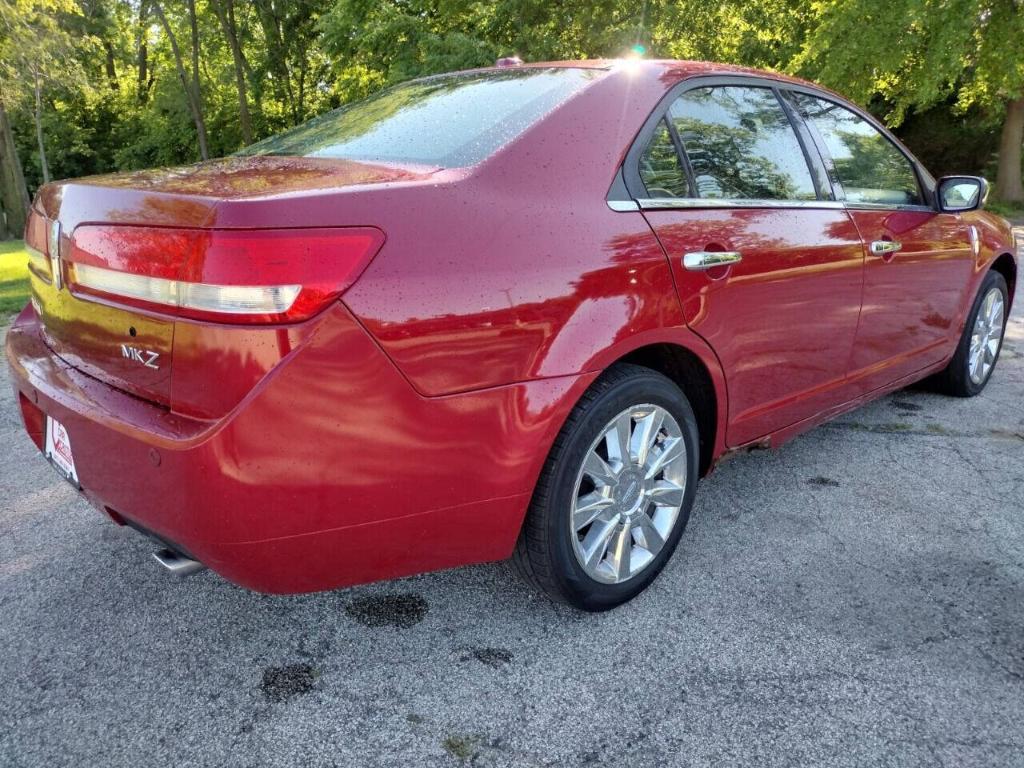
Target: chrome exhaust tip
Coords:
[[176, 563]]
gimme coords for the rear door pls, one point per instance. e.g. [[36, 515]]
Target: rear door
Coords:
[[768, 267], [918, 261]]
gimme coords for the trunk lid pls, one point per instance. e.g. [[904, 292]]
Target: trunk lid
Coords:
[[86, 221], [196, 195], [128, 349]]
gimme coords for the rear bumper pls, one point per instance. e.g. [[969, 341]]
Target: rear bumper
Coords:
[[332, 471]]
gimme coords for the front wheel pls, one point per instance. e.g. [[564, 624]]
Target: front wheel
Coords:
[[978, 351], [615, 494]]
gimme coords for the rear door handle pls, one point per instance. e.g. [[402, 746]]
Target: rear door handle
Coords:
[[700, 260], [881, 247]]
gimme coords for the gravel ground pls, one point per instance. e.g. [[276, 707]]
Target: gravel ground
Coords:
[[855, 598]]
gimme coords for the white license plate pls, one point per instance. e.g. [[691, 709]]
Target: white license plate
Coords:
[[58, 450]]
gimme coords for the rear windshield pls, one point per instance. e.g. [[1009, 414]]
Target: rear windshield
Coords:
[[446, 121]]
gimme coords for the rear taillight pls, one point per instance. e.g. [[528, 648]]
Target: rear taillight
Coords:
[[36, 236], [235, 276]]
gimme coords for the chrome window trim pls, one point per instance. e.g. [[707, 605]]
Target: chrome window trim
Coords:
[[887, 207], [653, 204], [622, 206], [669, 203]]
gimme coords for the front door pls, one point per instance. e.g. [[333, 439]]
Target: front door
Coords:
[[918, 261], [768, 270]]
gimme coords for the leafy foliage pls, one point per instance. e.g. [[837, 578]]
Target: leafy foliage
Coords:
[[110, 97], [916, 53]]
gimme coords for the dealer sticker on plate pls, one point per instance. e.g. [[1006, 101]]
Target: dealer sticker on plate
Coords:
[[58, 450]]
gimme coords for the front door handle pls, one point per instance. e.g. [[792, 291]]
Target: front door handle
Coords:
[[882, 247], [700, 260]]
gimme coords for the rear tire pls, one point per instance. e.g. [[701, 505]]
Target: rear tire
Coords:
[[615, 493], [981, 342]]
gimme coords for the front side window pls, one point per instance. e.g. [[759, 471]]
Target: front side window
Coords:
[[868, 165], [741, 145], [445, 121]]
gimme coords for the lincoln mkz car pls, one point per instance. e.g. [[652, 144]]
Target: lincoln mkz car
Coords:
[[511, 312]]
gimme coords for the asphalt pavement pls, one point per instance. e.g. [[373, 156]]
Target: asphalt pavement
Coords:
[[855, 598]]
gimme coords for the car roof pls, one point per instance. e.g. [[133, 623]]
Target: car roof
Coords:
[[676, 69]]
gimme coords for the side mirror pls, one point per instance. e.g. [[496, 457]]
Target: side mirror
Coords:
[[961, 193]]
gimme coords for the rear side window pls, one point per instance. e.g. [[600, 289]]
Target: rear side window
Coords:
[[741, 145], [869, 166], [445, 121]]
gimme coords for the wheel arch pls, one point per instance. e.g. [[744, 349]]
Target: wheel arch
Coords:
[[692, 374], [683, 357], [1005, 265]]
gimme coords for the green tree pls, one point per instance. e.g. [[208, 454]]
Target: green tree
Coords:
[[225, 11], [915, 53], [393, 40], [291, 67], [36, 51], [763, 33], [124, 84], [13, 192], [190, 83]]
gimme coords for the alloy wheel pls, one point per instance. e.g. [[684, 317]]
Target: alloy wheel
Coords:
[[986, 336], [629, 492]]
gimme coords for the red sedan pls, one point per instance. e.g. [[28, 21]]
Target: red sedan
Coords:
[[507, 312]]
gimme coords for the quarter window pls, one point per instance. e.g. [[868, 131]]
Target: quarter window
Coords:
[[868, 165], [660, 169], [741, 145]]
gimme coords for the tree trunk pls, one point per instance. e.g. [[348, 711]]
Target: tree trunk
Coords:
[[13, 192], [301, 112], [194, 106], [225, 10], [277, 54], [197, 93], [37, 115], [142, 59], [1009, 181], [111, 69]]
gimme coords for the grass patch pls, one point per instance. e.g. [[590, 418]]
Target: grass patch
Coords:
[[14, 288], [462, 748], [1012, 211]]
